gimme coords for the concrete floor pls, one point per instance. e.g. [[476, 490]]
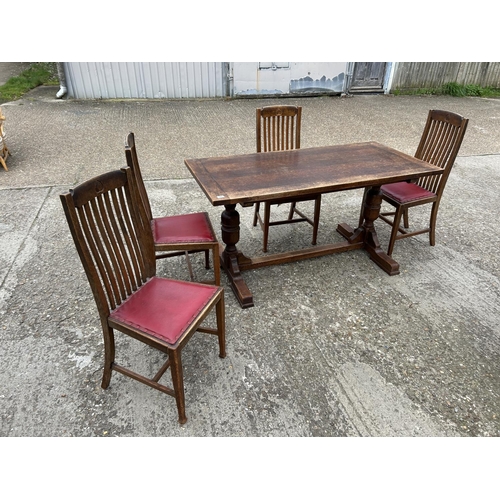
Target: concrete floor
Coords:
[[333, 347]]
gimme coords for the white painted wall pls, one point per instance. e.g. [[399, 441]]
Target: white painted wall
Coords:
[[269, 78]]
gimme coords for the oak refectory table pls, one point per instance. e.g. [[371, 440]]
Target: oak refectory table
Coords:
[[248, 178]]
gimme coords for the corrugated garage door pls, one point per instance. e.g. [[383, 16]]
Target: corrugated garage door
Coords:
[[142, 80]]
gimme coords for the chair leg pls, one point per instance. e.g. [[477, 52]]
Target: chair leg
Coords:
[[267, 218], [317, 208], [216, 259], [362, 211], [432, 227], [207, 259], [178, 383], [405, 218], [190, 267], [221, 326], [109, 356], [395, 228], [256, 211]]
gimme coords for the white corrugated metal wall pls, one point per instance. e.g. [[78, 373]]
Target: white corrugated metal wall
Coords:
[[142, 80]]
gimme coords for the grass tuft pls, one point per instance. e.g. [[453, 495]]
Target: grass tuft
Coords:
[[454, 89], [40, 73]]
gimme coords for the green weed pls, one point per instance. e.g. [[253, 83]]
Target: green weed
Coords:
[[454, 89], [40, 73]]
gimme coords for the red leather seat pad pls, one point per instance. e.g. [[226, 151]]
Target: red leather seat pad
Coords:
[[164, 308], [404, 192], [189, 228]]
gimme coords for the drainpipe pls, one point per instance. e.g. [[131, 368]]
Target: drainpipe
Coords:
[[62, 80], [389, 77], [228, 70], [348, 79]]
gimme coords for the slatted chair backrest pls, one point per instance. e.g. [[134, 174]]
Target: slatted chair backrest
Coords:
[[133, 163], [439, 145], [278, 128], [116, 251]]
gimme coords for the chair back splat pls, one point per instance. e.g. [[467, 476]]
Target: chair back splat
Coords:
[[133, 163], [278, 129], [114, 241], [441, 140], [115, 250], [439, 145], [175, 235]]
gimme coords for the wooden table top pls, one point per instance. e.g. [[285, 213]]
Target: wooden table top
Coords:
[[264, 176]]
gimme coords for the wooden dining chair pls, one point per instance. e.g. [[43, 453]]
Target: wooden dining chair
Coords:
[[439, 145], [278, 129], [176, 234], [116, 248]]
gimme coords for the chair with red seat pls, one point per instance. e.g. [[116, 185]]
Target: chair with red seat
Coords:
[[116, 248], [441, 140], [176, 234]]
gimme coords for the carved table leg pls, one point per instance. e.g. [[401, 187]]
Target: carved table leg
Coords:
[[230, 226], [367, 232]]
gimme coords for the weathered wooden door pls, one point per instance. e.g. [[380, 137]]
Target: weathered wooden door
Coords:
[[368, 76]]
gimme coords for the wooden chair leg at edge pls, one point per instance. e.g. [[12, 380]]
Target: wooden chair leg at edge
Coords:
[[221, 326], [405, 218], [395, 229], [317, 208], [362, 210], [432, 226], [109, 356], [174, 356], [267, 220], [216, 259], [256, 211]]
